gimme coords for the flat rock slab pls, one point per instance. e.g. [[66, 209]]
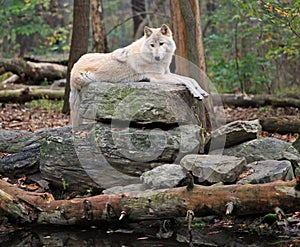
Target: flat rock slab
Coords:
[[165, 176], [142, 102], [264, 149], [134, 151], [232, 134], [214, 168], [267, 171]]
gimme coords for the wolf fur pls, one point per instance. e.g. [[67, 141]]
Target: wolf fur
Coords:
[[148, 58]]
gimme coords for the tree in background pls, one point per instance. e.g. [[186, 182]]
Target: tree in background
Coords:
[[139, 15], [98, 26], [187, 31], [79, 41], [253, 46], [21, 22]]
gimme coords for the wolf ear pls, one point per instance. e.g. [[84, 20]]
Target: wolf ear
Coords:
[[165, 30], [147, 31]]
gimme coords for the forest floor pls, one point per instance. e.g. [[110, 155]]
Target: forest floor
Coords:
[[42, 114]]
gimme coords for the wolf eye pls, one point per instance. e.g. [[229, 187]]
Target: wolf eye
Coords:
[[161, 43], [152, 45]]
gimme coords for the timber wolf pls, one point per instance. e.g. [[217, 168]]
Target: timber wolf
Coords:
[[146, 59]]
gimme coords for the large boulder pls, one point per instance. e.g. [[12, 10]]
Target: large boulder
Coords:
[[214, 168], [165, 176], [102, 156], [232, 134], [74, 163], [133, 150], [264, 149], [140, 102], [267, 171]]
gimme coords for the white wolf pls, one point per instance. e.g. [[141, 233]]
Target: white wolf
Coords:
[[148, 58]]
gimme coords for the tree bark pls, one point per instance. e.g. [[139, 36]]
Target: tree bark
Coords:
[[41, 208], [79, 42], [34, 73], [98, 26], [179, 34], [188, 38]]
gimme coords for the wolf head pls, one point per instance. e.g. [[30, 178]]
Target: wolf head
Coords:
[[159, 44]]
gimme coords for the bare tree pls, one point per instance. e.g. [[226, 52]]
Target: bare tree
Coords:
[[139, 14], [79, 41]]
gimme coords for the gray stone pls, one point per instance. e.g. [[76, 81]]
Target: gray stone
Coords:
[[232, 134], [264, 149], [268, 171], [214, 168], [103, 156], [79, 164], [134, 151], [140, 102], [127, 188], [165, 176]]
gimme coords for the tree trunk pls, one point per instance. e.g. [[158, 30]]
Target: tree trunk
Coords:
[[79, 42], [179, 34], [138, 11], [188, 38], [98, 26], [41, 208], [34, 73]]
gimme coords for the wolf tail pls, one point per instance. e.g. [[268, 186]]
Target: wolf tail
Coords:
[[74, 106]]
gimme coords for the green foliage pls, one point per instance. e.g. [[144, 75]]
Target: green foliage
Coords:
[[19, 17], [246, 40], [64, 183], [199, 224], [26, 23], [45, 104], [59, 40]]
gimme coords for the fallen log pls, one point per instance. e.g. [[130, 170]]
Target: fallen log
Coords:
[[34, 73], [281, 125], [257, 100], [29, 93], [42, 208], [11, 80]]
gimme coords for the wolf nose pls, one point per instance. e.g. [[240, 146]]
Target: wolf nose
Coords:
[[157, 58]]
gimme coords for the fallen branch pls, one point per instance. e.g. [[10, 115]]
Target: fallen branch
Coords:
[[34, 72], [281, 124], [257, 100], [30, 93], [41, 208]]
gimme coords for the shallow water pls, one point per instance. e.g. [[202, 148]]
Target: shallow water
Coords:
[[139, 237]]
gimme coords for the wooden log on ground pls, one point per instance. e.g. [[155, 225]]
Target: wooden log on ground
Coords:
[[34, 73], [11, 80], [29, 93], [281, 125], [258, 100], [41, 208]]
